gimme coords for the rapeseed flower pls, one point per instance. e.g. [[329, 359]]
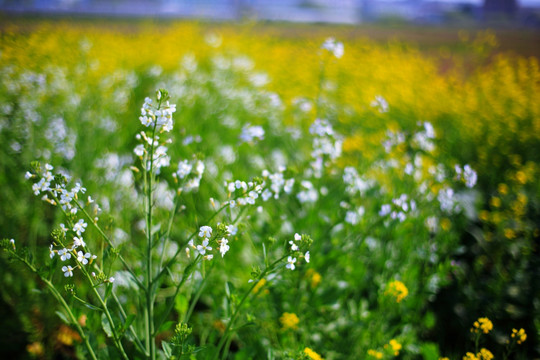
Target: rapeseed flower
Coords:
[[289, 321]]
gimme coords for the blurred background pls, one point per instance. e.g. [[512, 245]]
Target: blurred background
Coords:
[[514, 12]]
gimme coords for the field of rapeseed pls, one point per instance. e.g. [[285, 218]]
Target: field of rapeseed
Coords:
[[210, 191]]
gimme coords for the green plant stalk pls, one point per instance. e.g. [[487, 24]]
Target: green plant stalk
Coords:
[[197, 296], [242, 301], [138, 343], [149, 312], [102, 233], [116, 338], [61, 300], [177, 290]]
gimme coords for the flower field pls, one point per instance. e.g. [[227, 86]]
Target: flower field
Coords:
[[185, 190]]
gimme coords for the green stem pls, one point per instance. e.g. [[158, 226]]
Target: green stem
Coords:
[[116, 337], [149, 324], [198, 294], [61, 300], [138, 343], [187, 273], [242, 301]]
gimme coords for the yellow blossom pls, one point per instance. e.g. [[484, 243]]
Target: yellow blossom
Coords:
[[482, 324], [259, 285], [289, 321], [520, 335], [484, 354], [312, 354], [376, 354], [470, 356], [35, 349], [397, 289]]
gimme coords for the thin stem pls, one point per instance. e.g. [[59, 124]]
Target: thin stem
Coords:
[[187, 272], [102, 233], [244, 298], [198, 294], [61, 300], [116, 337], [138, 343], [149, 325]]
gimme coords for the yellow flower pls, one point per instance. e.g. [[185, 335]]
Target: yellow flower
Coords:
[[395, 346], [470, 356], [483, 324], [315, 278], [397, 289], [259, 285], [312, 354], [376, 354], [484, 354], [520, 335], [444, 358], [503, 189], [35, 349], [495, 202], [289, 321], [509, 233], [446, 224]]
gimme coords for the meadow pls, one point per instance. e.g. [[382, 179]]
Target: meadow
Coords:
[[190, 190]]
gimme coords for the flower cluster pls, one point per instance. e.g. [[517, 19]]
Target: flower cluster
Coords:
[[334, 47], [289, 321], [252, 133], [399, 208], [380, 103], [482, 325], [519, 335], [246, 192], [397, 289], [298, 243], [159, 116], [467, 175], [189, 174], [209, 237], [277, 184], [312, 354], [326, 142]]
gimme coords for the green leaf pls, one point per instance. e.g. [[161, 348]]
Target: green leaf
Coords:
[[166, 326], [63, 317], [106, 326], [129, 320], [429, 351], [166, 349], [92, 307]]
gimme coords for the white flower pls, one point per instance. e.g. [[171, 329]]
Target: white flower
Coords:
[[111, 279], [204, 247], [385, 210], [184, 169], [297, 237], [83, 258], [380, 103], [205, 231], [307, 256], [28, 175], [249, 133], [232, 229], [290, 263], [223, 247], [68, 271], [139, 150], [208, 257], [64, 254], [294, 247], [80, 227], [336, 48], [78, 241], [51, 251]]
